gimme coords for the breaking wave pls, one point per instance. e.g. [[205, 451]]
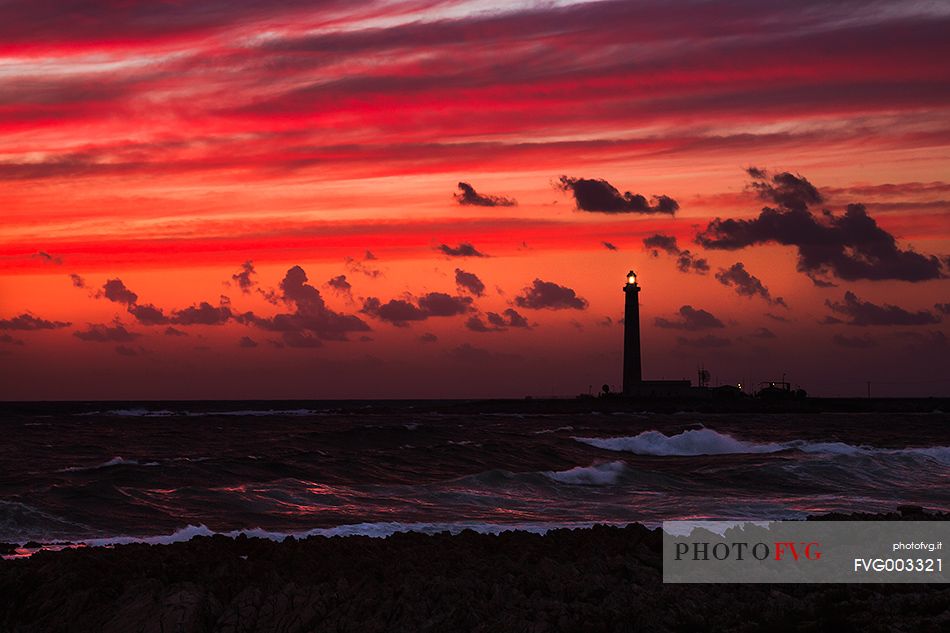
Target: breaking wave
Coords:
[[709, 442], [597, 475]]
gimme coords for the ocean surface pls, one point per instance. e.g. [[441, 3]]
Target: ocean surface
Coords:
[[101, 474]]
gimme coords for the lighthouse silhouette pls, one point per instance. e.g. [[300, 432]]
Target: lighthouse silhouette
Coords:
[[632, 372], [634, 386]]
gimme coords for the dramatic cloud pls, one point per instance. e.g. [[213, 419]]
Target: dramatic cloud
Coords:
[[690, 318], [549, 295], [609, 246], [704, 342], [247, 342], [659, 242], [106, 334], [78, 281], [784, 189], [170, 331], [400, 312], [866, 313], [469, 282], [396, 311], [311, 316], [764, 333], [468, 196], [243, 278], [943, 308], [509, 318], [602, 197], [462, 250], [746, 284], [340, 285], [850, 246], [27, 321], [440, 304], [685, 260], [115, 290], [202, 314], [147, 314], [495, 322], [428, 337]]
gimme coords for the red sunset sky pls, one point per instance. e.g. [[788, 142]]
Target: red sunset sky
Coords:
[[336, 199]]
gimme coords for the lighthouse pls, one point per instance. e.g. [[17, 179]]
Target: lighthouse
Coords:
[[632, 375]]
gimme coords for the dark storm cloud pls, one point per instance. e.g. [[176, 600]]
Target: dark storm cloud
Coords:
[[340, 284], [785, 189], [148, 314], [854, 342], [396, 311], [106, 334], [745, 283], [476, 324], [469, 282], [115, 290], [400, 312], [468, 196], [610, 246], [866, 313], [764, 333], [850, 246], [659, 242], [243, 278], [600, 196], [509, 318], [704, 342], [943, 308], [202, 314], [247, 342], [311, 316], [77, 281], [690, 318], [549, 295], [428, 337], [685, 260], [440, 304], [27, 321], [170, 331], [462, 250], [495, 322]]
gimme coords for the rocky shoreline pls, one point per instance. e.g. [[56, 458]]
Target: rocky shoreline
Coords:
[[596, 579]]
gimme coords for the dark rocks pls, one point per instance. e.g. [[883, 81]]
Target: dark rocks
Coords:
[[597, 580]]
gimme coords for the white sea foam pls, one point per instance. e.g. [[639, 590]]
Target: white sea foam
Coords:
[[596, 475], [115, 461], [709, 442], [560, 428], [375, 530]]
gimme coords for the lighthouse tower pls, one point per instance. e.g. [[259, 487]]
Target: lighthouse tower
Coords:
[[632, 376]]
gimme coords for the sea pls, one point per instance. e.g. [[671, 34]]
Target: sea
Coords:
[[100, 474]]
